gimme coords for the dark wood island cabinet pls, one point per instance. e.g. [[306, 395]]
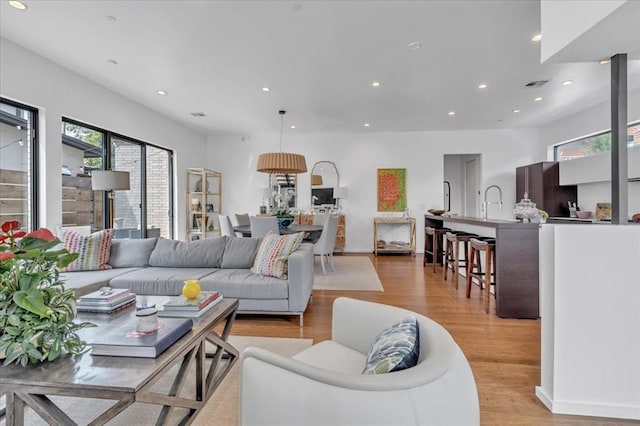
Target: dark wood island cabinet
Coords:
[[517, 267]]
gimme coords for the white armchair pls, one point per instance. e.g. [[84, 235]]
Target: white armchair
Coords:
[[323, 385]]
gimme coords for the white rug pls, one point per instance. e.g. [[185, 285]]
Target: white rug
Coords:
[[353, 273], [221, 410]]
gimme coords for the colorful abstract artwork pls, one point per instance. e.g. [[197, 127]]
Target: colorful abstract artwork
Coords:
[[392, 190]]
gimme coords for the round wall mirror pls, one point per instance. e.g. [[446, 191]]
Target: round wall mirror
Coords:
[[325, 180]]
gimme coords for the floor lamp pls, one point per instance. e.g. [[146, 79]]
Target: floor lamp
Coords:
[[108, 180]]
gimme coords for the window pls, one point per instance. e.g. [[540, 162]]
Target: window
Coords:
[[145, 210], [594, 144], [18, 164]]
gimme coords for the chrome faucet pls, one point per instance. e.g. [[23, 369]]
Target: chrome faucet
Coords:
[[485, 203]]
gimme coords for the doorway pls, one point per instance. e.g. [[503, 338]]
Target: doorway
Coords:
[[463, 174]]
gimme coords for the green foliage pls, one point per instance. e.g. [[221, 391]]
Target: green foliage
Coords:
[[599, 143], [36, 311]]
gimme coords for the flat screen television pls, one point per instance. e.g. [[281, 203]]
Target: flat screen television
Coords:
[[323, 196]]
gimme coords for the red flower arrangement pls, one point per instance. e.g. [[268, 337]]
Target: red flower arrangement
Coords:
[[36, 311]]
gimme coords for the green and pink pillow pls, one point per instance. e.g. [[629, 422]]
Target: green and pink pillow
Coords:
[[273, 254], [93, 250]]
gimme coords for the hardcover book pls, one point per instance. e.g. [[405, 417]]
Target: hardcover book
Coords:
[[187, 313], [107, 303], [124, 340], [101, 296], [182, 303]]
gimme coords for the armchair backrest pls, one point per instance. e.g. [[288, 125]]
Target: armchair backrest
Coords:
[[327, 239], [225, 226]]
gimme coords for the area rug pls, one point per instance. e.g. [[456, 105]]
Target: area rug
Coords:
[[353, 273], [221, 410]]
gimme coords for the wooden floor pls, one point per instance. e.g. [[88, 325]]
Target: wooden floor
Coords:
[[504, 353]]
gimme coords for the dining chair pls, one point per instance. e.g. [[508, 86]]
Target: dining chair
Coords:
[[261, 225], [320, 219], [325, 244], [242, 219], [225, 226]]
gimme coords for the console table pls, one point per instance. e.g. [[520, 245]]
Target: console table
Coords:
[[389, 225]]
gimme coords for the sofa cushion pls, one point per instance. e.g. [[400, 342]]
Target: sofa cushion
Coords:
[[85, 282], [273, 254], [242, 284], [394, 349], [240, 253], [204, 253], [128, 253], [159, 281], [93, 250]]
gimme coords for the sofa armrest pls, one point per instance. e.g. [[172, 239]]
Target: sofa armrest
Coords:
[[300, 277]]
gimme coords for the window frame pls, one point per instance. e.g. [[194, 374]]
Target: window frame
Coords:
[[34, 161], [109, 136], [557, 146]]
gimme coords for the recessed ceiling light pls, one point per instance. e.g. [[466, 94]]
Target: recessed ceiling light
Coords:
[[18, 5], [536, 37], [605, 61], [266, 89], [293, 126], [451, 113], [538, 99], [415, 45], [482, 86], [516, 110], [111, 18], [567, 82], [112, 61], [367, 124], [375, 84], [161, 92]]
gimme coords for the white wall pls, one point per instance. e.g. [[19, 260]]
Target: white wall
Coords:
[[359, 155], [35, 81]]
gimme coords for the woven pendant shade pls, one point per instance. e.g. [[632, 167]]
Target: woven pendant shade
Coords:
[[281, 162], [316, 180]]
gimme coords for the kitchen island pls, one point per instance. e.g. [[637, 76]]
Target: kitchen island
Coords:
[[517, 266]]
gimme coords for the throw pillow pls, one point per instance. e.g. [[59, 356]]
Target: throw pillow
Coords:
[[93, 250], [273, 254], [394, 349]]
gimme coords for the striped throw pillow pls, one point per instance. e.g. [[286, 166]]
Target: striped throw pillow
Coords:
[[93, 250], [273, 254]]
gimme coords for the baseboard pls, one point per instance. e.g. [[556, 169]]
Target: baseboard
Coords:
[[631, 412]]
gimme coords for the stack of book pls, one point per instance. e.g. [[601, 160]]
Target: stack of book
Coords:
[[102, 301], [179, 306]]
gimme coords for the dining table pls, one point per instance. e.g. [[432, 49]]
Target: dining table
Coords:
[[311, 232]]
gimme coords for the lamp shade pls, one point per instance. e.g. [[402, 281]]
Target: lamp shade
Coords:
[[316, 180], [281, 162], [108, 180], [340, 192]]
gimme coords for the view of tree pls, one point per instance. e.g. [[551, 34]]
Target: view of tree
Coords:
[[599, 143], [89, 136]]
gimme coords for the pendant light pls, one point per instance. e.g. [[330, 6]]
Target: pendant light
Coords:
[[281, 162]]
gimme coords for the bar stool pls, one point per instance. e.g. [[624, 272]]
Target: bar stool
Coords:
[[474, 266], [452, 258], [435, 234]]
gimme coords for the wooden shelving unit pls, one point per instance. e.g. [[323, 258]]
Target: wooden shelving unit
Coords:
[[387, 225], [204, 203]]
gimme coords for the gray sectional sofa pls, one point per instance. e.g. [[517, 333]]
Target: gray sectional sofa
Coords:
[[160, 267]]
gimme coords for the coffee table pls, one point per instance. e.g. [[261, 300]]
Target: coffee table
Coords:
[[128, 380]]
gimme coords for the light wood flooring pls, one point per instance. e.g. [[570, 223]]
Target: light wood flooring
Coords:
[[504, 353]]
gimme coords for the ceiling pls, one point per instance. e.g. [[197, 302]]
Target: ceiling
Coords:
[[319, 59]]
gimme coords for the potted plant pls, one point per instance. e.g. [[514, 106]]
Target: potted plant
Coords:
[[36, 311], [283, 211]]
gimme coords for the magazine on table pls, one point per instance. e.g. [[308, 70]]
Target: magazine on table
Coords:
[[203, 299], [188, 313]]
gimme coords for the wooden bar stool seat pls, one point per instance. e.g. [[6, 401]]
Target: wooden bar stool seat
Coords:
[[435, 236], [452, 258], [474, 266]]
